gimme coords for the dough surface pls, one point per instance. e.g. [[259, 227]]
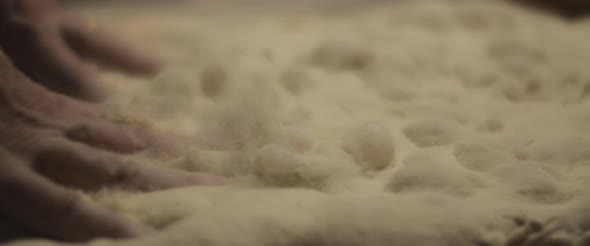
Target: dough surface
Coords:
[[479, 111]]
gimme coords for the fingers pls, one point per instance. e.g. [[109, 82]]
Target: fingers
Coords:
[[52, 50], [165, 146], [38, 50], [30, 36], [67, 73], [35, 8], [109, 137], [89, 169], [128, 139], [93, 44], [21, 91], [52, 210]]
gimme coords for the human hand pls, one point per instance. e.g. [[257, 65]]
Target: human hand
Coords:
[[54, 48], [50, 143]]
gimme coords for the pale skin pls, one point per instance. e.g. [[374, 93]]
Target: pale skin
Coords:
[[52, 138]]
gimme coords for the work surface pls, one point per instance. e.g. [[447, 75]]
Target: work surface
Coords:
[[423, 123]]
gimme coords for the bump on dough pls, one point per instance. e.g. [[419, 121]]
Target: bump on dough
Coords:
[[342, 55], [371, 146], [297, 80], [433, 132], [437, 50], [481, 154], [277, 165], [213, 80], [533, 181], [563, 150], [424, 172]]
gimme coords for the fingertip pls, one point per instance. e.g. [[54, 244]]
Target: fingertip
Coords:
[[148, 67], [130, 62], [89, 90], [108, 137]]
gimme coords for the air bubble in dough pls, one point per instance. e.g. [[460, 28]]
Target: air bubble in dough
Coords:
[[278, 165], [423, 172], [296, 80], [428, 133], [371, 146], [281, 166], [342, 55], [213, 79]]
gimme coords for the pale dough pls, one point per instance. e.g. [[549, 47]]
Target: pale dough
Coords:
[[410, 123]]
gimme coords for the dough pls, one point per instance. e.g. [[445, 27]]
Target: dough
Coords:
[[482, 114]]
